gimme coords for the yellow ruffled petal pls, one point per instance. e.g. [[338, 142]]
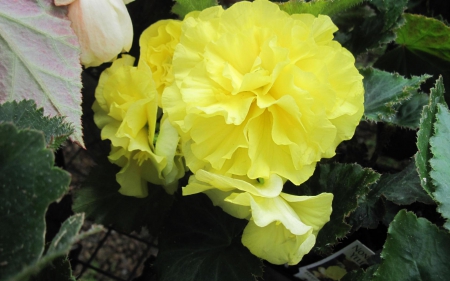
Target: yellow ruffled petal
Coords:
[[276, 244], [158, 44], [314, 211]]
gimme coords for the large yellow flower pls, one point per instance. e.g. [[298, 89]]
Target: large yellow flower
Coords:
[[282, 228], [126, 110], [257, 91]]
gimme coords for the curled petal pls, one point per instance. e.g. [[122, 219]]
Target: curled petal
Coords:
[[276, 244]]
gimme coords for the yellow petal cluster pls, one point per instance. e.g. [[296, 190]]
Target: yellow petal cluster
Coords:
[[282, 228], [158, 44], [126, 111], [258, 92]]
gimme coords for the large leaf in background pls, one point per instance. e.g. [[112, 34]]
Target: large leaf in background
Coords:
[[409, 111], [402, 188], [347, 182], [384, 91], [25, 116], [39, 59], [378, 29], [59, 269], [100, 200], [59, 247], [415, 249], [424, 134], [370, 211], [184, 7], [203, 243], [29, 183], [424, 48], [316, 7], [440, 163], [360, 274], [425, 34]]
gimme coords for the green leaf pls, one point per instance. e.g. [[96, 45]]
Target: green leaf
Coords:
[[40, 59], [360, 274], [59, 247], [376, 30], [440, 163], [371, 209], [28, 184], [202, 243], [408, 113], [425, 34], [424, 134], [403, 188], [100, 200], [316, 7], [24, 115], [414, 62], [59, 269], [347, 182], [184, 7], [415, 249], [384, 91]]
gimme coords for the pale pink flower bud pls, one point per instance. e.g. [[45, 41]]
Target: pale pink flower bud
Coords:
[[103, 28]]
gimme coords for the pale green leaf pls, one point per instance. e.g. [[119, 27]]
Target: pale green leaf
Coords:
[[424, 134], [415, 249], [425, 34], [316, 7], [39, 59], [184, 7], [440, 163]]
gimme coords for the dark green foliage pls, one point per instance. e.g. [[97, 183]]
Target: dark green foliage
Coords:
[[376, 30], [25, 115], [414, 250], [385, 91], [200, 242], [28, 184], [100, 200]]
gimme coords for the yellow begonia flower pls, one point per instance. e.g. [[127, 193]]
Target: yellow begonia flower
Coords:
[[126, 110], [103, 28], [157, 47], [282, 228], [258, 92]]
